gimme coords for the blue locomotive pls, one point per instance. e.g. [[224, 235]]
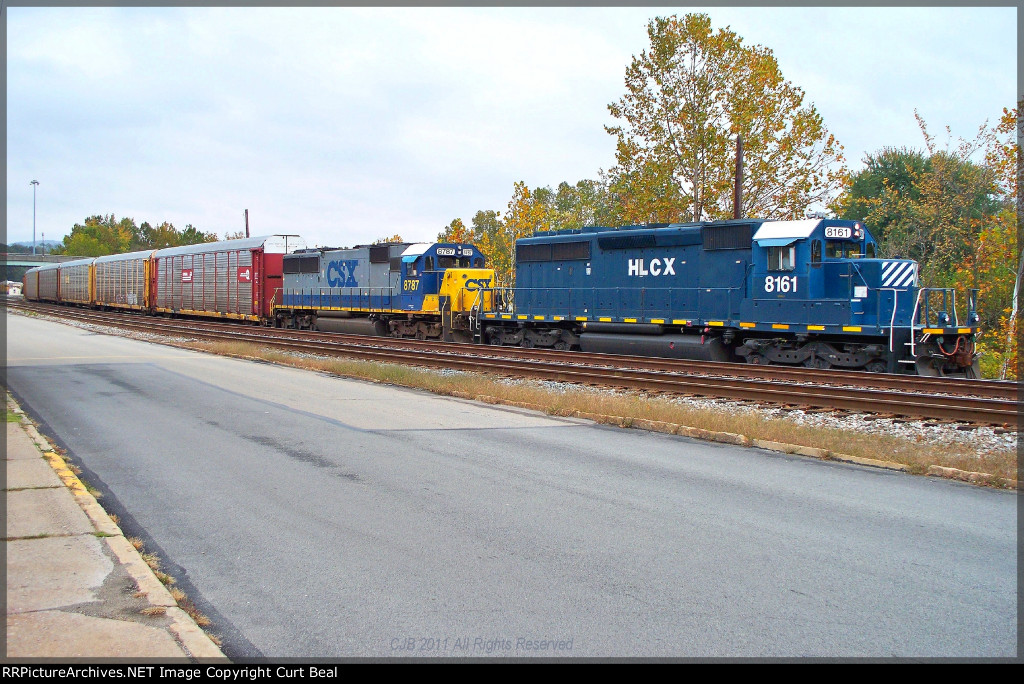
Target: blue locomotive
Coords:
[[806, 292], [422, 291]]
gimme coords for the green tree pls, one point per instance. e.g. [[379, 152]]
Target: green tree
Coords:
[[193, 236], [882, 192], [105, 234], [686, 100], [958, 216], [100, 235]]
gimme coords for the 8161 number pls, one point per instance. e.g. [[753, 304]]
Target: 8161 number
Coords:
[[780, 284]]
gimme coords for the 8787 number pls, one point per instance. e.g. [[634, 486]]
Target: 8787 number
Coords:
[[780, 284]]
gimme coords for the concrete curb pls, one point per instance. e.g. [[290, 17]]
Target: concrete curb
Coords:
[[193, 640]]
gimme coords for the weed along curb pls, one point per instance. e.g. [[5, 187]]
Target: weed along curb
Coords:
[[183, 628]]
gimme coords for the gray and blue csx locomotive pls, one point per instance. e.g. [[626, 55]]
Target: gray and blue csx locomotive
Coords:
[[806, 292]]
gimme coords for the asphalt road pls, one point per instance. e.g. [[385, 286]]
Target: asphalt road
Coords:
[[314, 516]]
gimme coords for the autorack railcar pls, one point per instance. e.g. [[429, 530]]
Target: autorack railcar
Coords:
[[237, 279], [121, 281]]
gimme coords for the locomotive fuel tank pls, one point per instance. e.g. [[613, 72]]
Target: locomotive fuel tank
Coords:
[[693, 347]]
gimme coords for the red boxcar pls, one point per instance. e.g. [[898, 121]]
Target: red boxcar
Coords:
[[229, 279]]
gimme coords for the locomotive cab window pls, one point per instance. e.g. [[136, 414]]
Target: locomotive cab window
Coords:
[[428, 265], [869, 251], [842, 250], [816, 252], [781, 258]]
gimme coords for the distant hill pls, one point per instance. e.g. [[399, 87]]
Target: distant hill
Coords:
[[42, 246]]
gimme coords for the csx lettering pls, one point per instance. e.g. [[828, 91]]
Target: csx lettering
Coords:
[[658, 267], [479, 284], [342, 273]]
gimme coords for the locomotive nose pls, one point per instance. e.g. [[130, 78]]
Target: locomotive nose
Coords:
[[468, 289]]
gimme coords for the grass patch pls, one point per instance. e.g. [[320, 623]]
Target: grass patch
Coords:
[[912, 452], [13, 417], [183, 601]]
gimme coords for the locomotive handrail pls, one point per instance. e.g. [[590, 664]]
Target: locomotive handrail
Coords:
[[862, 278]]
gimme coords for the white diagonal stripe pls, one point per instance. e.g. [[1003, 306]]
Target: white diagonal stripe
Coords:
[[906, 279], [895, 275]]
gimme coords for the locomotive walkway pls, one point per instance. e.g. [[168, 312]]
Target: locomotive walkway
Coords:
[[76, 588]]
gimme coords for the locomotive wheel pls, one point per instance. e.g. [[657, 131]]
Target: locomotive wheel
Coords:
[[817, 362], [560, 345], [527, 343], [876, 366], [758, 360]]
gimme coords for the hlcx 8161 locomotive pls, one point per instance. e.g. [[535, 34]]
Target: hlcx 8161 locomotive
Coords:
[[806, 292]]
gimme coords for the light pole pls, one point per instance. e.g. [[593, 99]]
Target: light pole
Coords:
[[34, 184]]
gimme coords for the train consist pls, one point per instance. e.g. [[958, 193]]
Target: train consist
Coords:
[[807, 292], [405, 290]]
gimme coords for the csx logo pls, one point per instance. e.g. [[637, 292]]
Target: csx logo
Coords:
[[658, 267], [342, 273], [478, 284]]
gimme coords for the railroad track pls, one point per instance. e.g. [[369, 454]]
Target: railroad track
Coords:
[[975, 402]]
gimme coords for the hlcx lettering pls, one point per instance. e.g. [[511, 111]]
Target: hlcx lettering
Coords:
[[342, 273], [658, 267]]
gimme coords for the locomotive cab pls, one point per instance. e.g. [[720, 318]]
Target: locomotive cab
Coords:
[[822, 279], [447, 281]]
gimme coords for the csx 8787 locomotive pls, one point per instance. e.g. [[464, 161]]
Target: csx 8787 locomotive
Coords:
[[423, 291], [805, 292]]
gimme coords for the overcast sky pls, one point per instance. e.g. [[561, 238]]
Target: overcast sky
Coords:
[[345, 125]]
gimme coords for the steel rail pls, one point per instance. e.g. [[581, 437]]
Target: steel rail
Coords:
[[900, 403], [991, 389]]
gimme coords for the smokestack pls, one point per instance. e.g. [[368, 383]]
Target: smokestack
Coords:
[[737, 197], [246, 223]]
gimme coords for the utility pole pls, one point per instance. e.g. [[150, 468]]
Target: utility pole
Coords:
[[34, 184], [737, 195]]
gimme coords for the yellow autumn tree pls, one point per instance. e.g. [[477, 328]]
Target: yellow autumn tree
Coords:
[[687, 98], [456, 232]]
